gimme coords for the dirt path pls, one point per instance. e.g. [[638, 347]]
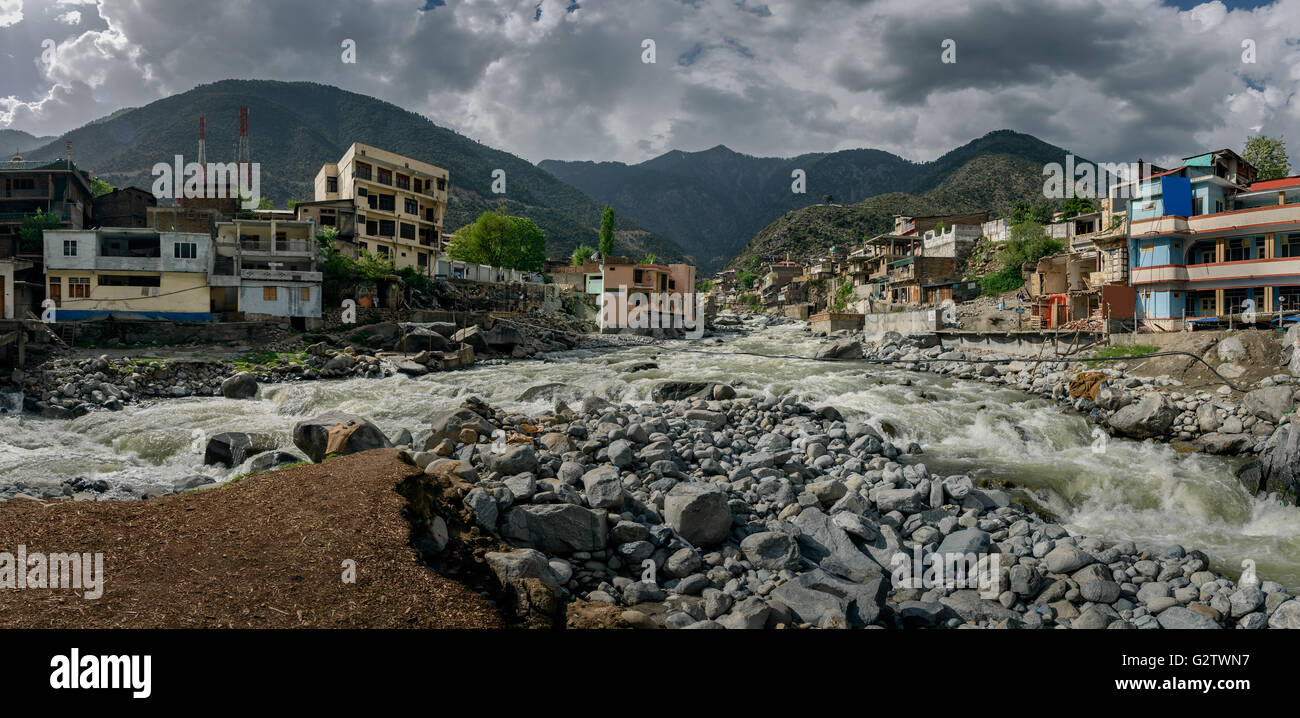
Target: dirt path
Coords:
[[264, 552]]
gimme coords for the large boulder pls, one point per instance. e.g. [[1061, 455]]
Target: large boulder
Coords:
[[473, 336], [1150, 416], [240, 386], [448, 425], [513, 459], [841, 349], [419, 339], [1279, 463], [232, 448], [771, 550], [555, 528], [503, 337], [699, 512], [529, 584], [678, 390], [356, 434], [1270, 403]]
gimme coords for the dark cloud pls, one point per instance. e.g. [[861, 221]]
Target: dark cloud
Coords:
[[564, 79]]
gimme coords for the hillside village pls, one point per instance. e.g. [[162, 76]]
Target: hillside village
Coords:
[[1202, 245]]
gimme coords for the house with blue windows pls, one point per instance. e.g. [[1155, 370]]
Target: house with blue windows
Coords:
[[1208, 242]]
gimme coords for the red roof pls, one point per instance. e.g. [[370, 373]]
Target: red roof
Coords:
[[1292, 181]]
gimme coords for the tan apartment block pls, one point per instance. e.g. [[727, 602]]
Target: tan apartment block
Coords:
[[400, 203]]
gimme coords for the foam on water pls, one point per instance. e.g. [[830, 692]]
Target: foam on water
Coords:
[[1140, 491]]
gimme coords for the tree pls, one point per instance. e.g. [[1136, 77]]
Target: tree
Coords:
[[1075, 206], [99, 187], [607, 232], [1023, 211], [581, 254], [32, 230], [499, 240], [746, 278], [754, 263], [649, 259], [1268, 155], [265, 203]]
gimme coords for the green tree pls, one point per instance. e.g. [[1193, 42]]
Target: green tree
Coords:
[[1027, 242], [581, 254], [607, 232], [99, 187], [1040, 212], [1268, 155], [754, 263], [265, 203], [746, 278], [32, 230], [649, 259], [1075, 206], [499, 240]]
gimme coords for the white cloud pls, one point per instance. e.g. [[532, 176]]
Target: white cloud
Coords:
[[1109, 80], [11, 12]]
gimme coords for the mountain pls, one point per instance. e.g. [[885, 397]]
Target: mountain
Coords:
[[711, 203], [17, 142], [295, 127], [986, 181]]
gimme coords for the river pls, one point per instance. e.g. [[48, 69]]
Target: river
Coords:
[[1120, 489]]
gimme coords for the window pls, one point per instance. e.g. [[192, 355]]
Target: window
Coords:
[[412, 207], [1237, 251], [384, 176], [1147, 247], [129, 280], [185, 250], [304, 294], [403, 182], [372, 228], [363, 171], [373, 201], [422, 259], [387, 227], [268, 294], [331, 184], [363, 192], [79, 287], [327, 220], [23, 183], [1288, 245], [138, 247], [442, 184], [418, 185], [69, 247], [387, 202], [1218, 205], [383, 251], [408, 231]]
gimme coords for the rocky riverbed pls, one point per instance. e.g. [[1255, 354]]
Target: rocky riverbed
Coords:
[[703, 510], [1155, 408]]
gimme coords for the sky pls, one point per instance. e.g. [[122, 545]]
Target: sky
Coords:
[[1111, 80]]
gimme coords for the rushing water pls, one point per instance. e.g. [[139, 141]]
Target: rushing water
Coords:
[[1130, 490]]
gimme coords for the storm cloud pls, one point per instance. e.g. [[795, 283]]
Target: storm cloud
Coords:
[[564, 79]]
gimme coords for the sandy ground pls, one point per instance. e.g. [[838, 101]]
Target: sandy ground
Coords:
[[267, 551]]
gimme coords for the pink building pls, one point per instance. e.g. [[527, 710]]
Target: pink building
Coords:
[[647, 296]]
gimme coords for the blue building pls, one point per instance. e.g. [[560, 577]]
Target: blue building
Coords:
[[1208, 242]]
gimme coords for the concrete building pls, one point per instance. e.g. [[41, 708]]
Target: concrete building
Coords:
[[400, 203], [268, 269], [341, 214], [15, 296], [124, 207], [636, 295], [128, 273], [1210, 245], [58, 189]]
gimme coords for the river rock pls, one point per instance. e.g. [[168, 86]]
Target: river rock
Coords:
[[771, 550], [1178, 617], [312, 436], [1269, 403], [555, 528], [240, 386], [232, 448], [449, 424], [1150, 416], [699, 512], [603, 488]]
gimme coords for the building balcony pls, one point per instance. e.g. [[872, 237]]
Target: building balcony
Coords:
[[277, 246], [280, 275], [1251, 272]]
